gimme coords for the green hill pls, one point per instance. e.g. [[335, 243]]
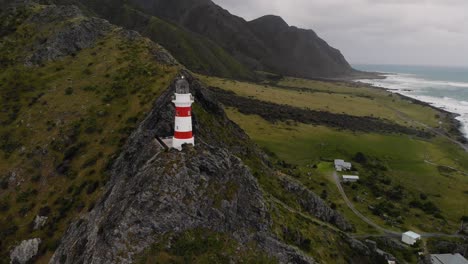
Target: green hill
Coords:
[[72, 89]]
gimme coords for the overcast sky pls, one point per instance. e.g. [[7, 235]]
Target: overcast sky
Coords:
[[414, 32]]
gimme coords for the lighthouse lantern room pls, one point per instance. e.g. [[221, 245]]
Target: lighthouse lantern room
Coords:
[[183, 100]]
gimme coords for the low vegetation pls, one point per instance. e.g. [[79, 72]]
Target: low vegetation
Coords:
[[202, 246], [398, 187], [62, 123]]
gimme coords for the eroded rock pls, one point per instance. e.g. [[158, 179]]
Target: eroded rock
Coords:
[[25, 251]]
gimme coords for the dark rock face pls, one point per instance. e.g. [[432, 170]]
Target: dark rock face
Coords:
[[153, 192], [450, 247], [26, 251], [314, 205], [71, 38], [298, 52], [75, 32]]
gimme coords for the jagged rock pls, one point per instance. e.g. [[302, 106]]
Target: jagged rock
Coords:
[[76, 33], [392, 243], [40, 221], [370, 250], [153, 192], [452, 247], [25, 251], [71, 38], [314, 205]]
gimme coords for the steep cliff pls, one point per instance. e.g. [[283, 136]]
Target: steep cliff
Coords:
[[298, 52]]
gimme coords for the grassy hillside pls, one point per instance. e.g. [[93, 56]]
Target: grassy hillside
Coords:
[[63, 121], [407, 182]]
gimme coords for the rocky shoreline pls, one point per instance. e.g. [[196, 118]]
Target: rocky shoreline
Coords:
[[456, 131]]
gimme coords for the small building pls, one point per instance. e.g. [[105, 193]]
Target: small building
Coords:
[[341, 165], [448, 259], [350, 178], [410, 237]]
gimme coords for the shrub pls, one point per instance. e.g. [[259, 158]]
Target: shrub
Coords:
[[360, 158], [89, 88], [4, 183], [423, 196], [90, 125], [324, 194], [90, 162], [44, 211], [36, 177], [69, 91], [92, 187], [87, 71], [4, 206]]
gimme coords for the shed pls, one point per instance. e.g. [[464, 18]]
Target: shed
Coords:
[[448, 259], [410, 237], [350, 178], [341, 165]]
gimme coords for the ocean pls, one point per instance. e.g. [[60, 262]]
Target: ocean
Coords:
[[442, 87]]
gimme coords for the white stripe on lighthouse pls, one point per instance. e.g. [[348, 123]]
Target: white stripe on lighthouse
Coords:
[[183, 124]]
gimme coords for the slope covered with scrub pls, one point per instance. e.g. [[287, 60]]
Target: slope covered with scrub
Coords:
[[72, 89]]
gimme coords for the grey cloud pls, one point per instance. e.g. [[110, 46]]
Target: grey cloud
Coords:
[[431, 32]]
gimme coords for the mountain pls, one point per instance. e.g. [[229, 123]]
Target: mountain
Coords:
[[298, 52], [221, 36]]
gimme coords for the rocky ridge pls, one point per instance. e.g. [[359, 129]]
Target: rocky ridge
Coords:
[[153, 192]]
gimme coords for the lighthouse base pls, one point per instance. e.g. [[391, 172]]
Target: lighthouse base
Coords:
[[177, 143]]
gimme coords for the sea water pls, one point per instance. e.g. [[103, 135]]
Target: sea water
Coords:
[[442, 87]]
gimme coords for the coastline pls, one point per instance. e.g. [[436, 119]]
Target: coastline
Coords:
[[457, 127]]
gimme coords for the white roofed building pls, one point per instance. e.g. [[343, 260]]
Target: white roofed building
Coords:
[[410, 237], [448, 259], [350, 178], [341, 165]]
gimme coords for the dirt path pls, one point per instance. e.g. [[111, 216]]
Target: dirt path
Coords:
[[452, 168], [406, 118], [386, 232]]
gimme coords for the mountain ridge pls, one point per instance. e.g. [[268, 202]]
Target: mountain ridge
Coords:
[[296, 52]]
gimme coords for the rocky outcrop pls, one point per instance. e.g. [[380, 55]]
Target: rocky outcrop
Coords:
[[25, 251], [314, 205], [39, 222], [71, 37], [65, 31], [153, 192], [450, 247]]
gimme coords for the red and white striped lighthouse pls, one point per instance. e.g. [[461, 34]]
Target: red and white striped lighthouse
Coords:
[[183, 100]]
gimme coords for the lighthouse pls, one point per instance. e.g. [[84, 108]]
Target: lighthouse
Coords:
[[183, 100]]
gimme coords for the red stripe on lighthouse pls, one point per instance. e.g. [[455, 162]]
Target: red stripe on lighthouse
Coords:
[[183, 111], [183, 135]]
